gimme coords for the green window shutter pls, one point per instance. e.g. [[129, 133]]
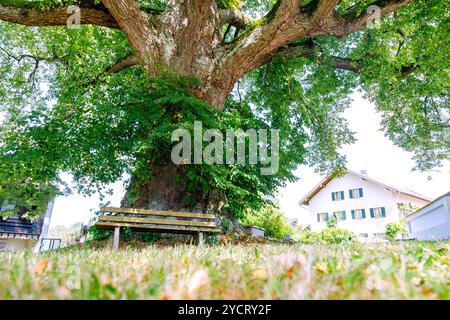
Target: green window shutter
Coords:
[[353, 214], [318, 217], [327, 217], [363, 213], [350, 194], [383, 212], [360, 192], [343, 215], [372, 214], [342, 195], [332, 196]]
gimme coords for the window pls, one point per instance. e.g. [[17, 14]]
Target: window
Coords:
[[338, 195], [363, 235], [377, 212], [340, 215], [322, 217], [358, 214], [379, 236], [355, 193], [2, 245]]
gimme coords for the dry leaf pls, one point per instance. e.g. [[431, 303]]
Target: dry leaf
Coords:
[[41, 266], [260, 274]]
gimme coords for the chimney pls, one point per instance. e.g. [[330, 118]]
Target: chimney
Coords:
[[364, 172]]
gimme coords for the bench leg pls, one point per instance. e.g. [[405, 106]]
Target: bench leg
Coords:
[[200, 239], [116, 238]]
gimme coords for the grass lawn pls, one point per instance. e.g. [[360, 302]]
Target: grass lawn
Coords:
[[406, 270]]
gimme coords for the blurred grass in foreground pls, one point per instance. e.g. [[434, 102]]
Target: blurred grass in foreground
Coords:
[[408, 270]]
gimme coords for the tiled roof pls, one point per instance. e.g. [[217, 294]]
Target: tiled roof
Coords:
[[305, 200]]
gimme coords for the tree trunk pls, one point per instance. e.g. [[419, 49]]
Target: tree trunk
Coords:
[[165, 191]]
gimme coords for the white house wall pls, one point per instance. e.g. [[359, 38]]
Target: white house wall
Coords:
[[404, 198], [16, 244], [374, 196]]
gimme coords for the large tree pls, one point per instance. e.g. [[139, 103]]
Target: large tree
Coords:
[[101, 100]]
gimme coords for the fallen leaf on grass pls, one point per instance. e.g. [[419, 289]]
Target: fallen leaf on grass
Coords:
[[259, 274], [41, 266]]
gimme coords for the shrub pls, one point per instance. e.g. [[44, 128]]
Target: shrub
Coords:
[[126, 234], [393, 229], [275, 224], [332, 222], [333, 235], [307, 237], [326, 236]]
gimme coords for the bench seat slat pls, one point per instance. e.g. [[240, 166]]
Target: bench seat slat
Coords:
[[154, 228], [158, 221], [158, 213]]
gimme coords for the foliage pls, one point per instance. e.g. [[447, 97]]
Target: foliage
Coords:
[[409, 270], [333, 235], [393, 229], [274, 223], [415, 108], [229, 4], [332, 222], [126, 234], [407, 208], [326, 236]]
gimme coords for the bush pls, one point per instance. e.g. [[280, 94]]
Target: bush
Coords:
[[393, 229], [275, 224], [326, 236], [333, 235], [307, 237], [126, 234]]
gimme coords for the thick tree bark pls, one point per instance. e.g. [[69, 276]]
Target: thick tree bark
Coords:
[[56, 17], [166, 191]]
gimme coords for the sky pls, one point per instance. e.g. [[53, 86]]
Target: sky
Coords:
[[372, 152]]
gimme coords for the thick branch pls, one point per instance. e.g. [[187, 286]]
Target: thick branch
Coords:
[[233, 17], [309, 51], [360, 22], [126, 62], [251, 51], [140, 32], [324, 11], [289, 21], [55, 17]]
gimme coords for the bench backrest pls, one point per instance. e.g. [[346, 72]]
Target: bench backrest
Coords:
[[157, 221]]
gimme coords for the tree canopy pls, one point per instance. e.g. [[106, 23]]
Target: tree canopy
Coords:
[[100, 100]]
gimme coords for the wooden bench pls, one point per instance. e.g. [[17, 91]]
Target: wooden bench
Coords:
[[142, 220]]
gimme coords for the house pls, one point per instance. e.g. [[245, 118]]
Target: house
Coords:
[[18, 233], [431, 222], [361, 204]]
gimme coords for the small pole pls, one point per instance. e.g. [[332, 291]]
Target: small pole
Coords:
[[200, 239], [116, 238]]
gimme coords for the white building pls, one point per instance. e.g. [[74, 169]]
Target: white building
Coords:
[[361, 204], [431, 222]]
